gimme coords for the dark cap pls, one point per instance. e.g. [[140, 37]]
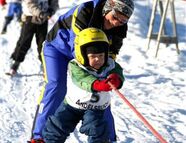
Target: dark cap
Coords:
[[125, 7]]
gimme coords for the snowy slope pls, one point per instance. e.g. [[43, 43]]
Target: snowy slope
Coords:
[[155, 86]]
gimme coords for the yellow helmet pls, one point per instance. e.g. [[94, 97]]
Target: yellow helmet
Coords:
[[90, 37]]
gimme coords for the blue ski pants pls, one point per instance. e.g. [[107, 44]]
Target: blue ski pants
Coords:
[[14, 8], [59, 126]]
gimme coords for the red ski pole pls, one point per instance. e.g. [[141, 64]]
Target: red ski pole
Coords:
[[147, 124]]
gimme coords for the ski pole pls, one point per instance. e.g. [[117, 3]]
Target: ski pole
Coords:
[[33, 125], [147, 124]]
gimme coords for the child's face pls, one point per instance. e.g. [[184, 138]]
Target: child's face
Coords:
[[96, 61]]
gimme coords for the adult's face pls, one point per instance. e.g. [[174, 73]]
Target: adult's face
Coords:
[[113, 19]]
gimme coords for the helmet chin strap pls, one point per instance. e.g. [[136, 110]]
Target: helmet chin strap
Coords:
[[91, 68], [96, 70]]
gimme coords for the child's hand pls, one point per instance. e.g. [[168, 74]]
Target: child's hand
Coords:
[[114, 79], [101, 85]]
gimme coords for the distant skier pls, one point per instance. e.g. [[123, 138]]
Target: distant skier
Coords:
[[35, 22], [14, 8], [90, 72]]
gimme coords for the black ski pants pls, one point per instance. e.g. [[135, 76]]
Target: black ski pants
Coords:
[[24, 42]]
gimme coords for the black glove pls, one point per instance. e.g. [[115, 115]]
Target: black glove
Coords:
[[50, 11], [47, 14], [44, 15]]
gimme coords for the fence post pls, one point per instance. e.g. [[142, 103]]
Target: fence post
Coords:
[[161, 36]]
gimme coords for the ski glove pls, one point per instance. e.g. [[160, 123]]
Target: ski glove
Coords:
[[50, 11], [47, 14], [112, 55], [115, 80], [101, 85], [44, 15]]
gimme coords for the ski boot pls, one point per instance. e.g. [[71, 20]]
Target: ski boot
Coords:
[[7, 21], [36, 141], [13, 68]]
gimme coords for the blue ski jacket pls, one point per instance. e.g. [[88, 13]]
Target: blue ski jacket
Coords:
[[88, 14]]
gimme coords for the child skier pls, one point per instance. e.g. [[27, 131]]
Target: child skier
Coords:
[[90, 72], [34, 23]]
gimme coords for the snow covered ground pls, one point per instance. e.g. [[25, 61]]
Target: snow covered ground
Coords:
[[155, 86]]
